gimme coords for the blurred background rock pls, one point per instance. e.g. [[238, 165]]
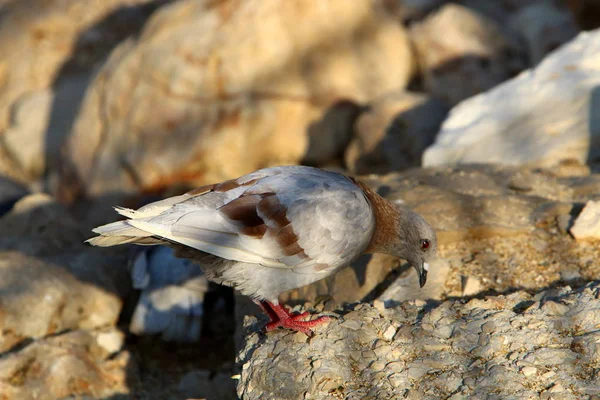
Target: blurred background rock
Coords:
[[106, 102]]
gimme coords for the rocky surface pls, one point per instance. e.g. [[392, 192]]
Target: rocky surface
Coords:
[[510, 346], [75, 363], [393, 133], [127, 101], [46, 61], [541, 117], [462, 53], [587, 224], [169, 107]]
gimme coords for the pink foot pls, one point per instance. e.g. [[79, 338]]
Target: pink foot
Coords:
[[280, 317]]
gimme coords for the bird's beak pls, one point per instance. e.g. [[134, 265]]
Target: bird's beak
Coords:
[[422, 270]]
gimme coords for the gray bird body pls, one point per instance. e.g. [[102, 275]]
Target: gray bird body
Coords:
[[276, 229]]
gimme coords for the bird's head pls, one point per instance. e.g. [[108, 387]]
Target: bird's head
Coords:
[[416, 242]]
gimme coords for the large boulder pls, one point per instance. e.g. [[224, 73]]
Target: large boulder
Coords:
[[78, 363], [545, 115], [393, 133], [518, 346], [213, 90], [461, 52], [48, 51], [50, 281]]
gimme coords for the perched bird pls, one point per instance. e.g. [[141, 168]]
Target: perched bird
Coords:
[[277, 229]]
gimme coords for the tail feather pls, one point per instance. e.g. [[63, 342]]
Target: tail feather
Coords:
[[122, 232]]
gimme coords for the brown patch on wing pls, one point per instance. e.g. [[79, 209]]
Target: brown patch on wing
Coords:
[[243, 210], [232, 184], [201, 190], [273, 218], [284, 234], [220, 187]]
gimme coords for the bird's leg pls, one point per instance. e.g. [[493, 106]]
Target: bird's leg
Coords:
[[280, 317]]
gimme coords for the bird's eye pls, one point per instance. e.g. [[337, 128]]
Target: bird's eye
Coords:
[[425, 243]]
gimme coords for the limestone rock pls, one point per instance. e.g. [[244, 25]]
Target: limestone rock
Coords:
[[545, 27], [49, 280], [587, 224], [462, 53], [207, 82], [542, 117], [450, 349], [71, 364], [39, 298], [393, 133], [45, 64]]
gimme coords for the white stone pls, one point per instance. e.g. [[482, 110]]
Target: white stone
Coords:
[[112, 341], [587, 224], [540, 117]]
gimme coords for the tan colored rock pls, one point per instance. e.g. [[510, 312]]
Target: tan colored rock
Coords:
[[72, 364], [38, 298], [52, 51], [393, 133], [49, 280], [212, 90], [461, 53], [587, 224]]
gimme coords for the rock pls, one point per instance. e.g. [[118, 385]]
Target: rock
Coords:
[[548, 126], [462, 53], [39, 298], [485, 352], [70, 364], [49, 280], [10, 193], [587, 224], [46, 63], [545, 27], [393, 133], [166, 109], [406, 285], [471, 286], [172, 298]]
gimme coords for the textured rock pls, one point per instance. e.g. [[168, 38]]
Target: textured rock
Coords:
[[393, 133], [517, 346], [39, 298], [50, 281], [541, 117], [71, 364], [587, 224], [206, 82], [45, 63], [462, 53], [544, 26]]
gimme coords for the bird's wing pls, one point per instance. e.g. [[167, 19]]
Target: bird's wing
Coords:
[[295, 217]]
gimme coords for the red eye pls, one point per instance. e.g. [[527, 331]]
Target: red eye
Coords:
[[425, 244]]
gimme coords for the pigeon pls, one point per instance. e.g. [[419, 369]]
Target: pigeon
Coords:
[[277, 229]]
